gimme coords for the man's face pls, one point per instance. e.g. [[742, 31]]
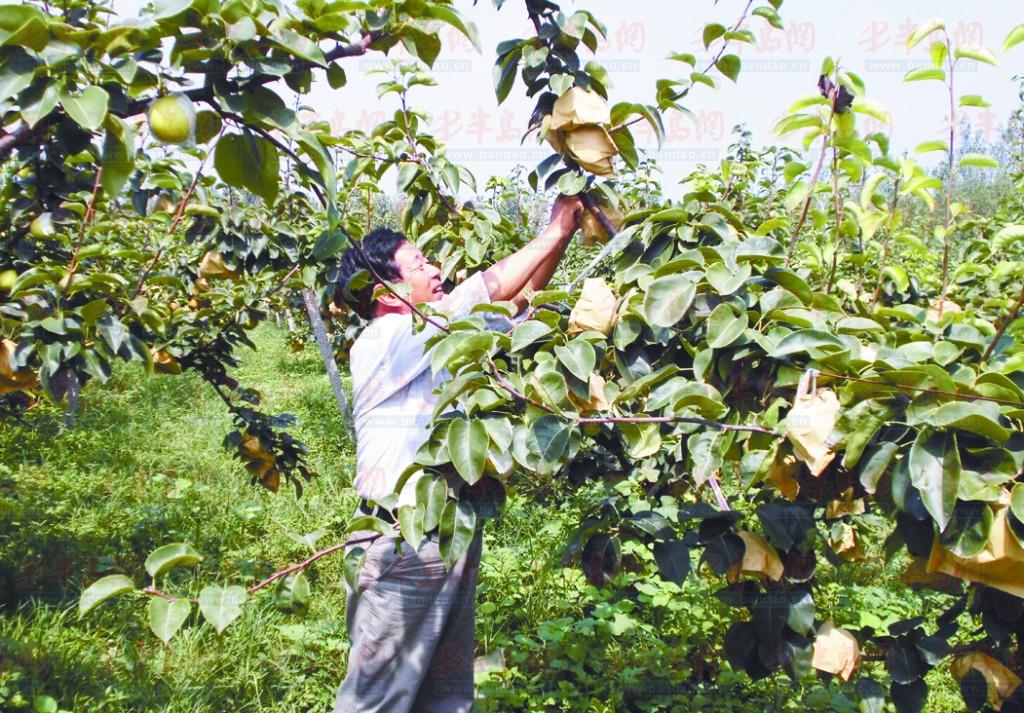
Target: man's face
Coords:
[[423, 278]]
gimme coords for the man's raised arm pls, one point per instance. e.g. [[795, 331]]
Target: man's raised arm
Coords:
[[534, 263]]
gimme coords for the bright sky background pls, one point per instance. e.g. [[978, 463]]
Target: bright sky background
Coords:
[[867, 36]]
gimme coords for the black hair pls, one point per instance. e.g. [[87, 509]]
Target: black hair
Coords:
[[379, 247]]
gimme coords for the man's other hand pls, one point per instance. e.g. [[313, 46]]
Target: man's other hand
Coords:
[[566, 214]]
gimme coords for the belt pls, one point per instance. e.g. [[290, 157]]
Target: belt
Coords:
[[376, 511]]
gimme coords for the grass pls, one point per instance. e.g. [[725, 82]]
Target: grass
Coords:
[[144, 466]]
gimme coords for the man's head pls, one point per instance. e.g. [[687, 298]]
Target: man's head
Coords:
[[394, 259]]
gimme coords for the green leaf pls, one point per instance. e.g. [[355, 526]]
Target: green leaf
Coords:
[[789, 280], [336, 76], [808, 341], [642, 439], [856, 426], [925, 73], [410, 520], [118, 156], [101, 590], [351, 565], [292, 593], [560, 83], [44, 704], [725, 278], [458, 526], [673, 560], [328, 244], [979, 55], [899, 277], [800, 616], [668, 299], [578, 357], [24, 25], [505, 74], [166, 9], [601, 558], [242, 31], [707, 453], [88, 108], [712, 31], [467, 446], [935, 472], [979, 160], [923, 31], [1014, 37], [980, 417], [166, 617], [909, 697], [37, 101], [432, 493], [249, 162], [795, 122], [1017, 501], [552, 436], [208, 125], [973, 100], [178, 554], [221, 605], [725, 326], [16, 73], [968, 530], [1008, 234], [935, 145], [300, 46], [452, 17], [729, 65], [770, 15]]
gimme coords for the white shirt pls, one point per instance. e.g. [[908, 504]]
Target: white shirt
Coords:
[[393, 389]]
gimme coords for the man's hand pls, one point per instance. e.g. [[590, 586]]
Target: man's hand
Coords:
[[533, 264], [566, 214]]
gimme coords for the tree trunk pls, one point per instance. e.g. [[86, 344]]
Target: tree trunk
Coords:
[[320, 332]]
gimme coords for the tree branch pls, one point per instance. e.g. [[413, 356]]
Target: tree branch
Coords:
[[24, 135], [154, 592]]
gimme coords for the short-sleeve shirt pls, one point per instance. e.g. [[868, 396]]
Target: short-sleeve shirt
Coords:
[[393, 387]]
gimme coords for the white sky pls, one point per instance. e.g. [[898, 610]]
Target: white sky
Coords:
[[867, 36]]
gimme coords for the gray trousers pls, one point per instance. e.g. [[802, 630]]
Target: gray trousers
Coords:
[[410, 625]]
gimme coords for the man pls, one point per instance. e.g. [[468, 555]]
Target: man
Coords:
[[410, 620]]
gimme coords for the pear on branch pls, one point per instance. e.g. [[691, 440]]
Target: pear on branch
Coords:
[[1001, 681], [592, 148], [12, 379], [258, 461], [212, 267], [172, 119], [42, 226], [595, 309], [163, 362], [591, 229], [809, 424], [759, 558], [576, 129], [579, 107], [836, 651]]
